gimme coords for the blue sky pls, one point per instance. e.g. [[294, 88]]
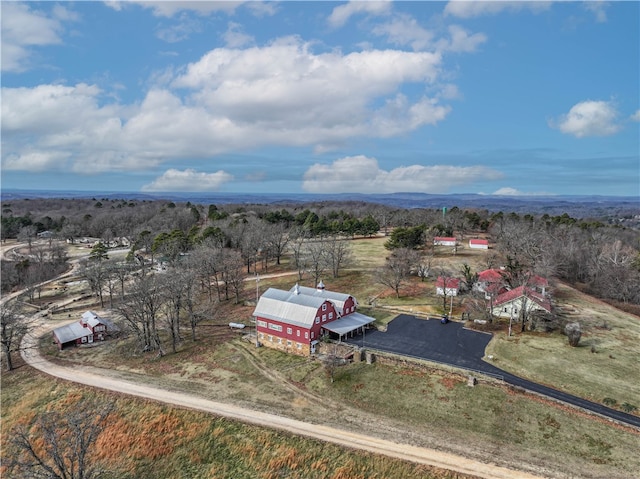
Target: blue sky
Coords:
[[507, 98]]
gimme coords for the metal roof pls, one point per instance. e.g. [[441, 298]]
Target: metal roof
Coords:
[[286, 306], [336, 298], [71, 332], [348, 323]]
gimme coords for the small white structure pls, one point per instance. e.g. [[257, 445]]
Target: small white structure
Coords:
[[444, 241], [447, 286], [478, 244]]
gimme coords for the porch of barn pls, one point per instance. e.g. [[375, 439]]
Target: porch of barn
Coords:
[[351, 325]]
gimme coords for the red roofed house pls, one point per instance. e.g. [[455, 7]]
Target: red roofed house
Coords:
[[478, 244], [491, 282], [519, 302], [295, 320], [447, 286], [444, 241]]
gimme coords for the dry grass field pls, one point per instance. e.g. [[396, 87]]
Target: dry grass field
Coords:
[[421, 404]]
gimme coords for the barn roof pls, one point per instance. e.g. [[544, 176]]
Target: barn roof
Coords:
[[289, 307], [338, 299], [71, 332]]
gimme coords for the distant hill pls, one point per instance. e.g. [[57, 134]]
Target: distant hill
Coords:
[[576, 206]]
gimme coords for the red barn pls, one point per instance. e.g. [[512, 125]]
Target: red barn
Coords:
[[296, 320], [90, 328]]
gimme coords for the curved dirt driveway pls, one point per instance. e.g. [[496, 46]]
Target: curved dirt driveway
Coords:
[[432, 457]]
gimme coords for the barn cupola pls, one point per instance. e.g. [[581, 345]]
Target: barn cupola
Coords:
[[296, 289], [320, 286]]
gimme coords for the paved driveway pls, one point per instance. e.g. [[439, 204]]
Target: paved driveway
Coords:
[[429, 339], [452, 344]]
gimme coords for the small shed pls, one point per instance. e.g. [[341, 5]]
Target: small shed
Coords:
[[447, 286], [444, 241], [90, 328], [478, 244]]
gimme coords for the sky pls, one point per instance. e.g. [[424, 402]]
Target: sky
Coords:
[[495, 98]]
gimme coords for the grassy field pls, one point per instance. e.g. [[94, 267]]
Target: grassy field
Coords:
[[144, 440], [422, 405]]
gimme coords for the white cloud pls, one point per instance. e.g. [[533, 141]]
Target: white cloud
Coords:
[[179, 31], [230, 100], [188, 180], [361, 174], [404, 30], [170, 8], [589, 118], [342, 13], [598, 9], [462, 41], [235, 37], [24, 28], [636, 116], [470, 9], [508, 191]]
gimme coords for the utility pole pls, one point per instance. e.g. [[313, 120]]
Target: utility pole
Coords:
[[257, 298]]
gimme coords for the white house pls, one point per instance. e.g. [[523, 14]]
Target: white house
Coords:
[[444, 241], [447, 286], [478, 244]]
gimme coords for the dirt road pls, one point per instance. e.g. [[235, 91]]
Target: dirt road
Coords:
[[432, 457]]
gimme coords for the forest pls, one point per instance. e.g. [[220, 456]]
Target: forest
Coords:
[[600, 256]]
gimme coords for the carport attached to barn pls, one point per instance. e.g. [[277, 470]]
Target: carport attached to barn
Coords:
[[348, 324]]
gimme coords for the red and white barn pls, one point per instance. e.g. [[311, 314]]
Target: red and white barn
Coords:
[[88, 329], [447, 286], [296, 320], [478, 244]]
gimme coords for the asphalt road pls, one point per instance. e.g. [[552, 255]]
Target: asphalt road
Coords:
[[456, 346]]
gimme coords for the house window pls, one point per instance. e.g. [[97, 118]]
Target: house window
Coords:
[[306, 335], [262, 324], [324, 307], [289, 331], [330, 316], [324, 318]]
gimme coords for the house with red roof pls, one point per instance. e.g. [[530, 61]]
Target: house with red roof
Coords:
[[447, 286], [444, 241], [478, 244], [519, 303]]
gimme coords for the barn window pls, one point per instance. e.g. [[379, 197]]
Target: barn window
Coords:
[[261, 323], [298, 332], [306, 335], [330, 315], [289, 331], [299, 345], [318, 320], [324, 307], [312, 335], [289, 344], [324, 318]]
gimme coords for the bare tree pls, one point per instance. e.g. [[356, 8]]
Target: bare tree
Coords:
[[397, 268], [316, 258], [59, 445], [338, 254], [13, 325]]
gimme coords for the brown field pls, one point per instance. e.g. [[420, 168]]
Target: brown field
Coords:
[[421, 404]]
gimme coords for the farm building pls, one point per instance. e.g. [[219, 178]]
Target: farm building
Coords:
[[478, 244], [444, 241], [296, 320], [88, 329], [511, 303], [447, 286]]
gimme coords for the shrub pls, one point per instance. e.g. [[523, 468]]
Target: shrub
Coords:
[[609, 402], [573, 332], [627, 407]]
